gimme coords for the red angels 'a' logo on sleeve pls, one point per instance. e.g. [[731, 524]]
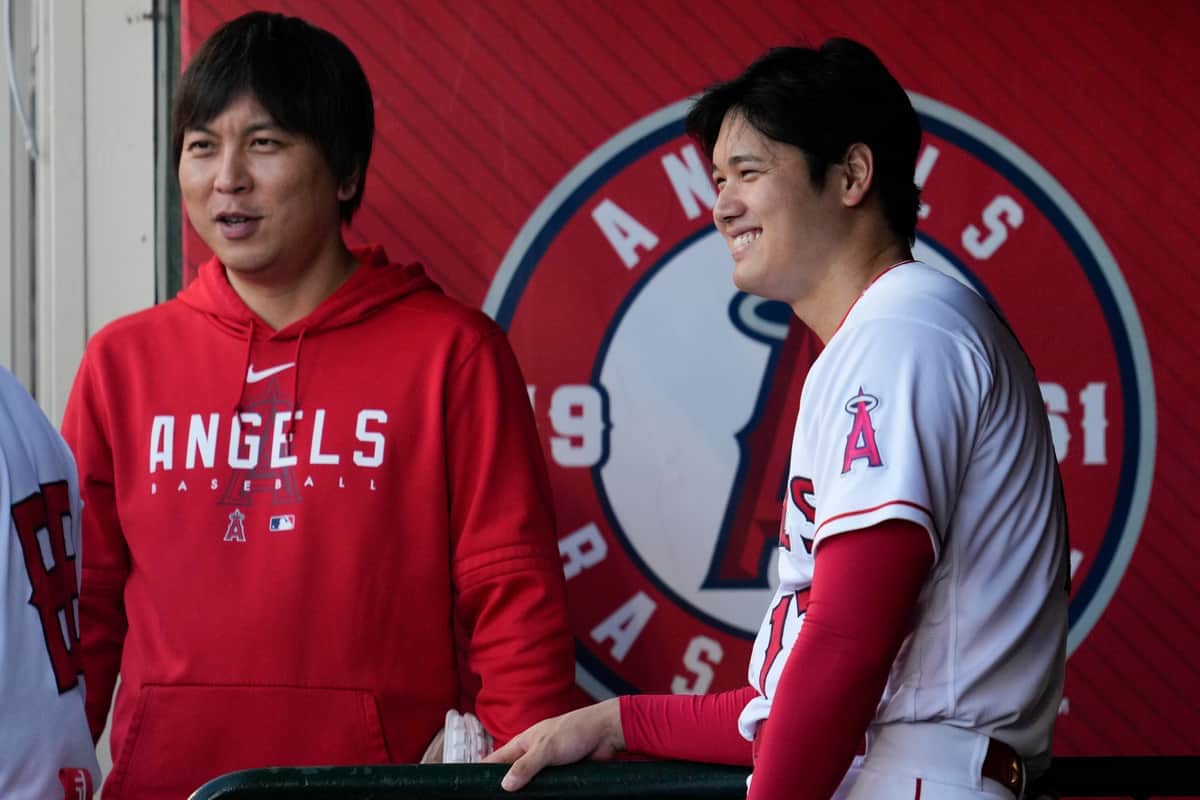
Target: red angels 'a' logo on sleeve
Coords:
[[861, 441]]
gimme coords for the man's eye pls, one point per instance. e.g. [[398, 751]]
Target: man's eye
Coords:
[[199, 145]]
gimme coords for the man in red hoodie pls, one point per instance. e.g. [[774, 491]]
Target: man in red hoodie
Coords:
[[318, 515]]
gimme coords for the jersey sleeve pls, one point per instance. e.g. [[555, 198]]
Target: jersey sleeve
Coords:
[[104, 552], [891, 426], [510, 614], [687, 727]]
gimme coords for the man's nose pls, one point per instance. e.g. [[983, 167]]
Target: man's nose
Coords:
[[232, 175], [729, 205]]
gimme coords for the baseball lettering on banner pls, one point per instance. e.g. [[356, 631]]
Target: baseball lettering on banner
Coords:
[[666, 397]]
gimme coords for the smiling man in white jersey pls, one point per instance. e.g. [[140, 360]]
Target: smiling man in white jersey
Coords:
[[915, 647]]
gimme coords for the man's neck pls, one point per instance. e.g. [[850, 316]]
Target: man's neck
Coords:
[[280, 301], [848, 276]]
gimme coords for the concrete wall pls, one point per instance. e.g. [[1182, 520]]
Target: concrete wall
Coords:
[[77, 222]]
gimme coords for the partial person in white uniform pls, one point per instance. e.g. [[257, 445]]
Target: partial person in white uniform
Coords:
[[45, 748], [916, 646]]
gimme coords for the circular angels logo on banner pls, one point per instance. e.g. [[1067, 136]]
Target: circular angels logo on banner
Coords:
[[667, 397]]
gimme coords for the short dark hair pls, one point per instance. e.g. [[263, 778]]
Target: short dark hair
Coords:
[[823, 101], [305, 77]]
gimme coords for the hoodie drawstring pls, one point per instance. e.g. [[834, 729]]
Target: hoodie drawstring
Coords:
[[291, 422], [245, 373], [290, 428]]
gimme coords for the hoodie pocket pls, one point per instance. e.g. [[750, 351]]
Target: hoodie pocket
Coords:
[[181, 736]]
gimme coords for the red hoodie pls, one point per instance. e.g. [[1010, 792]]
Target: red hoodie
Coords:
[[323, 600]]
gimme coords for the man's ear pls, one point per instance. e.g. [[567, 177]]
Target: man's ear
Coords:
[[858, 172], [349, 186]]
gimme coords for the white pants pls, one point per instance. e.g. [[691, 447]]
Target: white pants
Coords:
[[921, 761]]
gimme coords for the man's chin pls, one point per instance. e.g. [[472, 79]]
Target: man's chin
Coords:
[[752, 284], [240, 263], [746, 281]]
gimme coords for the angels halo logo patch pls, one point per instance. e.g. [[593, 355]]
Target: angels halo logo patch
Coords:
[[666, 397]]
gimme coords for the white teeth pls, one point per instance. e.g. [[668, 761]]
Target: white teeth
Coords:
[[746, 238]]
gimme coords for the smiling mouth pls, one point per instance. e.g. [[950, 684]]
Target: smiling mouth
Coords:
[[744, 240]]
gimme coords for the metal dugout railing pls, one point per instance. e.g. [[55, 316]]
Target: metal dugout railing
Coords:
[[1118, 776]]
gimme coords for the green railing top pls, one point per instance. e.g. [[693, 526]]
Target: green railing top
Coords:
[[1116, 776], [588, 781]]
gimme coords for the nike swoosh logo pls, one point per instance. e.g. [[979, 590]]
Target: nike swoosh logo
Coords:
[[255, 377]]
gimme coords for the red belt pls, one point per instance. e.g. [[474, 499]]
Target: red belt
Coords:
[[1000, 764]]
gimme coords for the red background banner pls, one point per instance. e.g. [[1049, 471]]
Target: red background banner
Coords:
[[484, 108]]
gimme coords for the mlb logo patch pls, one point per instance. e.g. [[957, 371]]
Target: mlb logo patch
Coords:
[[283, 522]]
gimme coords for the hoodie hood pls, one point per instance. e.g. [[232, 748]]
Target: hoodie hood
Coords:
[[376, 283]]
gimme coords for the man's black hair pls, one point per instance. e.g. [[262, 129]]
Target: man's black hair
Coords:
[[305, 77], [823, 101]]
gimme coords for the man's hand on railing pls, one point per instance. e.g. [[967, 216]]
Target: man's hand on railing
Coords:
[[593, 732]]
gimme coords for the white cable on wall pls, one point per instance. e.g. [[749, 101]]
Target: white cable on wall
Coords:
[[26, 128]]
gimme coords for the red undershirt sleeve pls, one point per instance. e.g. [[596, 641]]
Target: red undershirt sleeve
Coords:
[[687, 727], [864, 595]]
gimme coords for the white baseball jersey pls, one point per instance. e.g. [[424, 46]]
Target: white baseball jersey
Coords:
[[45, 748], [923, 407]]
